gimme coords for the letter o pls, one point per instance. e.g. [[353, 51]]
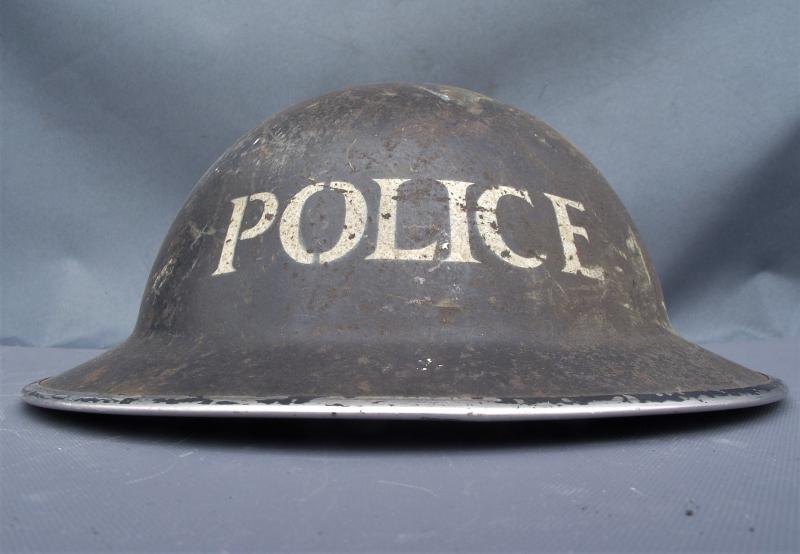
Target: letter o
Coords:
[[355, 221]]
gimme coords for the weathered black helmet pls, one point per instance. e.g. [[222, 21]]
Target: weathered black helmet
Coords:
[[403, 251]]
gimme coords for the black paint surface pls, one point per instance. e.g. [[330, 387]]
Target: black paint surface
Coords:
[[361, 327]]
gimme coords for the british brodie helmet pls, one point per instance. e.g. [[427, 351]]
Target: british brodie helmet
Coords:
[[404, 251]]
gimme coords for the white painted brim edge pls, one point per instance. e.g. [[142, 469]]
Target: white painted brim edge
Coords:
[[494, 409]]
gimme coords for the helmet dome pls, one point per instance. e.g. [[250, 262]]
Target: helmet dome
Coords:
[[404, 250]]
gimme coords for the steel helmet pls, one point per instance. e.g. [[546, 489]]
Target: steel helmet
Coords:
[[402, 250]]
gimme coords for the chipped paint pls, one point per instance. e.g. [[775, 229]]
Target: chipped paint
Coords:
[[458, 248], [386, 241], [161, 277], [489, 408], [429, 277], [355, 221], [568, 231], [639, 260], [233, 235], [489, 228]]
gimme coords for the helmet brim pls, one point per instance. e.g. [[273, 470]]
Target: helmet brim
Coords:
[[494, 409], [654, 374]]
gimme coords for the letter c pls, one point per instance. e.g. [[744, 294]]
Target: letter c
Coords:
[[490, 232]]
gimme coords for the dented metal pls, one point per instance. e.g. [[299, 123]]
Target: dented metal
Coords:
[[403, 251]]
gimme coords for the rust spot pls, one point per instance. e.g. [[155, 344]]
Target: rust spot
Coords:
[[95, 374]]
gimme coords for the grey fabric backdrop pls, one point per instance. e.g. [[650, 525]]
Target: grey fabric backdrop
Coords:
[[112, 110]]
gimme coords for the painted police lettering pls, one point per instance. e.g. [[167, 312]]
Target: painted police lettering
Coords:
[[233, 236], [568, 231], [459, 247], [490, 232], [355, 220], [386, 241]]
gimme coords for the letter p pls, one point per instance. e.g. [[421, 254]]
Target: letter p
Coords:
[[235, 234]]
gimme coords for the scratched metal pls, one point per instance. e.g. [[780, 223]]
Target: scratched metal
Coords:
[[404, 251], [497, 409]]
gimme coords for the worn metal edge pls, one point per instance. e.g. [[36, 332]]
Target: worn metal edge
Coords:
[[496, 409]]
